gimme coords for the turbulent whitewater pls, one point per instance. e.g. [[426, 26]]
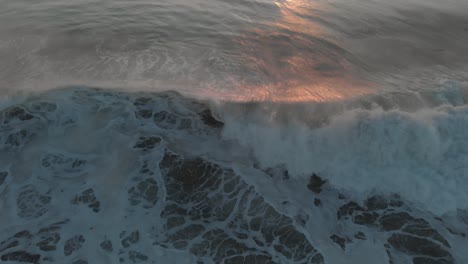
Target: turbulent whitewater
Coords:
[[148, 177], [213, 131]]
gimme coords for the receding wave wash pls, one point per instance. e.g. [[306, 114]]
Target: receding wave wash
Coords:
[[253, 131]]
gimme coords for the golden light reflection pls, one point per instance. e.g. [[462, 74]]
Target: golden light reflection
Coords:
[[296, 60], [294, 15], [290, 92]]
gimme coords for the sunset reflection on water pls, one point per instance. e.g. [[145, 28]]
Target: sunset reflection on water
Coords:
[[296, 60]]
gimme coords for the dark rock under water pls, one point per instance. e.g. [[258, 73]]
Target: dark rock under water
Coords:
[[75, 203]]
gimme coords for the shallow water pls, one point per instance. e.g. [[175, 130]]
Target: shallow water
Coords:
[[194, 131]]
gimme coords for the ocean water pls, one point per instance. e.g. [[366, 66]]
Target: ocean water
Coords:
[[212, 131]]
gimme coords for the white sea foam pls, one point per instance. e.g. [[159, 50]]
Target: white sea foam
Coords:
[[420, 155]]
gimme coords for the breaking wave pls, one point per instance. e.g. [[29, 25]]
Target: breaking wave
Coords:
[[421, 155], [414, 145], [136, 155]]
